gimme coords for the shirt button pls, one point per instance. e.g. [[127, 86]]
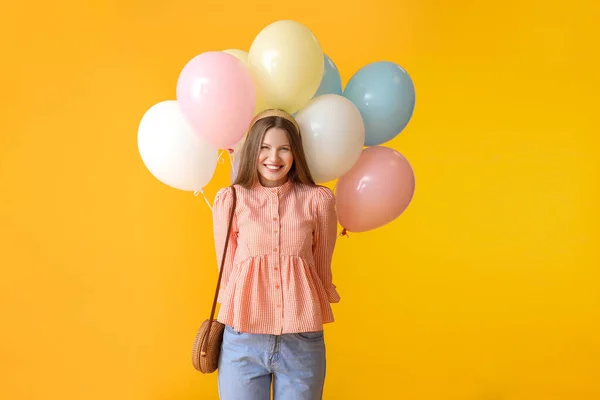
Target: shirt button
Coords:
[[274, 218], [275, 231], [276, 286], [275, 249], [276, 268]]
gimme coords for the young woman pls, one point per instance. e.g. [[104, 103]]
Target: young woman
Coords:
[[277, 284]]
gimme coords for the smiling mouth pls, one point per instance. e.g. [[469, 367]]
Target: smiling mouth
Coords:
[[273, 167]]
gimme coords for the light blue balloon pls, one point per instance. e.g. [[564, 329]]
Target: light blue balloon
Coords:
[[385, 95], [331, 82]]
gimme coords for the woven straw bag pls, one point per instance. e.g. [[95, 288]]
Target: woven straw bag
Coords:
[[207, 344]]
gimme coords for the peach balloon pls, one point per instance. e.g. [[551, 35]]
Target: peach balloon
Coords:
[[376, 191]]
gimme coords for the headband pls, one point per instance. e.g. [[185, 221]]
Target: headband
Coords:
[[274, 113]]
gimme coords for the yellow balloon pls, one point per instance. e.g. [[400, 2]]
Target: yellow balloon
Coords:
[[243, 57], [287, 63]]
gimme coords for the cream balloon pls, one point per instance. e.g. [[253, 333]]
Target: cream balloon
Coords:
[[243, 57], [287, 63], [333, 135], [171, 150]]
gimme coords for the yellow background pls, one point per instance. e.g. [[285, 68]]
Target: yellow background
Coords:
[[487, 288]]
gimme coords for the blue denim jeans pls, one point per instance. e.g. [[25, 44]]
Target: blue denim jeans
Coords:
[[294, 363]]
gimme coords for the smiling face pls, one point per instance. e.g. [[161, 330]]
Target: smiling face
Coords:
[[275, 158], [272, 154]]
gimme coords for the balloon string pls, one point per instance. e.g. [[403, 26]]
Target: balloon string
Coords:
[[220, 159], [230, 159], [201, 191]]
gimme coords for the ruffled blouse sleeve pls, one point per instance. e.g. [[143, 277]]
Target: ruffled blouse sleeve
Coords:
[[325, 236], [221, 210]]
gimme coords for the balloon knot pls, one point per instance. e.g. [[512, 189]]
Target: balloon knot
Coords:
[[230, 151], [344, 233]]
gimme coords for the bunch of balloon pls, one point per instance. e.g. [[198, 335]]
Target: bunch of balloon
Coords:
[[381, 184], [219, 92]]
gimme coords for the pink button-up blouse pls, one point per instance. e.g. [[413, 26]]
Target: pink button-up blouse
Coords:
[[277, 277]]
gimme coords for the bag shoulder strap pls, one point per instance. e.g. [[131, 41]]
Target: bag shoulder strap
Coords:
[[214, 305], [231, 214]]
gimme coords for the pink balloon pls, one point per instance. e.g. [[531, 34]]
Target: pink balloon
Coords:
[[217, 95], [377, 189]]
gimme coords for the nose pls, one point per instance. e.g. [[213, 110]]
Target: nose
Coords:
[[273, 155]]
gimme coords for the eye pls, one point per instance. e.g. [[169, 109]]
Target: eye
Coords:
[[264, 147], [285, 149]]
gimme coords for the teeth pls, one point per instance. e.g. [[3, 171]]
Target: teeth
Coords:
[[272, 167]]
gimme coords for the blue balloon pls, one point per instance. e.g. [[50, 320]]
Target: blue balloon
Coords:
[[331, 82], [385, 95]]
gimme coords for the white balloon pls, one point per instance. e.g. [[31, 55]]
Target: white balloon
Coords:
[[333, 136], [171, 150]]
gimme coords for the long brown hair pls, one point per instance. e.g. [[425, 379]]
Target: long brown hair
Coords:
[[248, 173]]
